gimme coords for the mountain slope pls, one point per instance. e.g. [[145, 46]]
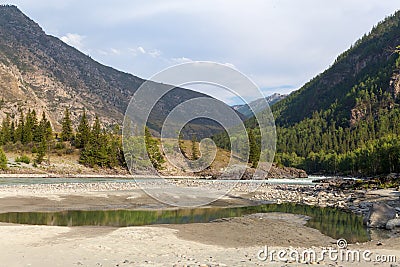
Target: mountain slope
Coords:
[[371, 56], [345, 121], [40, 71], [258, 105]]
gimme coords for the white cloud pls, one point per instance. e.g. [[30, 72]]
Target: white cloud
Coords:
[[75, 40], [154, 53], [180, 60], [115, 51], [141, 50]]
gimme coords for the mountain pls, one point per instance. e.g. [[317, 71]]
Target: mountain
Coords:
[[345, 121], [41, 72], [337, 88], [258, 105]]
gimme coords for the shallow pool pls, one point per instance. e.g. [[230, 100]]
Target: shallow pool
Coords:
[[330, 221]]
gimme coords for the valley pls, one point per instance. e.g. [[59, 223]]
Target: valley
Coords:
[[82, 183]]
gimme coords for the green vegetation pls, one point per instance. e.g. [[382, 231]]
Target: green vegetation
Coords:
[[153, 150], [372, 58], [357, 132], [27, 132], [347, 119], [24, 159], [254, 149], [67, 132], [3, 160], [98, 147]]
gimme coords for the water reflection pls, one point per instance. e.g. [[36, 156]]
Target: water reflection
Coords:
[[332, 222]]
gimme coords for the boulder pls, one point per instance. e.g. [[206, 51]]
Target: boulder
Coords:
[[393, 223], [379, 215]]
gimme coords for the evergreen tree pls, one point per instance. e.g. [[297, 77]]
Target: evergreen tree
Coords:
[[12, 132], [83, 133], [254, 149], [6, 131], [3, 160], [45, 128], [41, 152], [96, 130], [19, 131], [67, 131], [29, 127], [96, 151]]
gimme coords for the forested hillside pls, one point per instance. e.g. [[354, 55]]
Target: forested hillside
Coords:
[[347, 119]]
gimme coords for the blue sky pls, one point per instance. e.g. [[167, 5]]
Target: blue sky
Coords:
[[279, 44]]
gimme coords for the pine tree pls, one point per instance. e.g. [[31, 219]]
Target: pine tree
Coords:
[[45, 128], [67, 132], [6, 130], [12, 132], [29, 127], [83, 133], [96, 151], [19, 131], [3, 160], [41, 152], [96, 129], [254, 149]]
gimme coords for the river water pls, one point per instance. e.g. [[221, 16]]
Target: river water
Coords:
[[61, 180]]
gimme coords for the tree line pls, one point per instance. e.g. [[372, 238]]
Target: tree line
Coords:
[[97, 145]]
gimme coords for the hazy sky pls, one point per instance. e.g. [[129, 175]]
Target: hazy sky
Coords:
[[279, 44]]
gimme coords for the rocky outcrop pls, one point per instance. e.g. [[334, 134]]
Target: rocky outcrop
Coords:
[[379, 215], [286, 172], [262, 173], [395, 84]]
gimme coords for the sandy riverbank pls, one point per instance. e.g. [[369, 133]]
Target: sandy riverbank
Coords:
[[232, 242]]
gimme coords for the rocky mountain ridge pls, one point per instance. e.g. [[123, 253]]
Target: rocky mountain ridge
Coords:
[[40, 72]]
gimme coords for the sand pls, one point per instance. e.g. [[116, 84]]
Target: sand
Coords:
[[215, 244]]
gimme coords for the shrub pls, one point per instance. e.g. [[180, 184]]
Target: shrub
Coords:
[[24, 158], [59, 146]]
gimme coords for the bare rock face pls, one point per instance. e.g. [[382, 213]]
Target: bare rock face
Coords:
[[393, 223], [379, 215], [395, 84]]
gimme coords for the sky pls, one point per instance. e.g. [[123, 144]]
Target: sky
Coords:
[[279, 44]]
